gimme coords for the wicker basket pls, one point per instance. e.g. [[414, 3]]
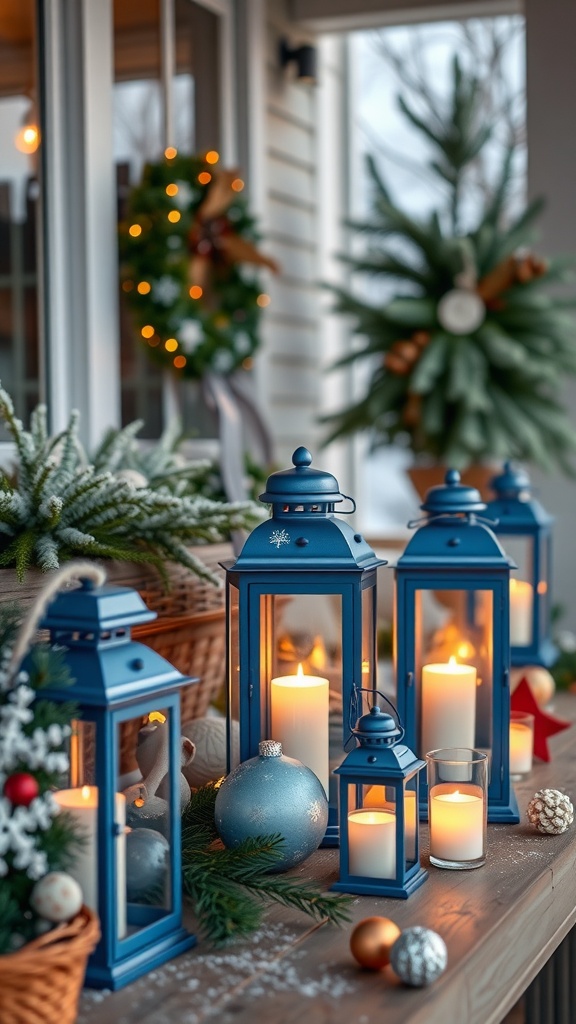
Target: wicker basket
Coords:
[[40, 983]]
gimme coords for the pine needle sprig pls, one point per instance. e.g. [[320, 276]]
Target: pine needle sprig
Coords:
[[230, 888]]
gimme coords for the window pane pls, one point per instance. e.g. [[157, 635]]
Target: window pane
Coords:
[[19, 192], [138, 137]]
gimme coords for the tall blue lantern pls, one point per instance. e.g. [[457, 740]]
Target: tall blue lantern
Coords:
[[301, 615], [379, 840], [525, 529], [132, 876], [452, 645]]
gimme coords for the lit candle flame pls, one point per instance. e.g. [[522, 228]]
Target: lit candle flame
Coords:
[[85, 792]]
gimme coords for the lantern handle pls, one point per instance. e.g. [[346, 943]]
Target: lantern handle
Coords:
[[412, 524], [356, 708], [348, 511]]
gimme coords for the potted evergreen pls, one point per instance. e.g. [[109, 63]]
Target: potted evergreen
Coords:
[[468, 357]]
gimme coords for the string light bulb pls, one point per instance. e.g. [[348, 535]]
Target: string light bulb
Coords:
[[135, 230], [174, 216], [147, 331], [204, 177], [179, 362], [212, 157], [170, 152], [27, 139], [171, 344], [172, 189], [237, 184], [144, 287], [263, 300], [195, 292]]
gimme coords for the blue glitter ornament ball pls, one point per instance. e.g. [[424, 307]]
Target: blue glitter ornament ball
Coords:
[[273, 794]]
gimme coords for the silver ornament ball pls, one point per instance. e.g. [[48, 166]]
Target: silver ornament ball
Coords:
[[550, 811], [419, 956], [273, 794]]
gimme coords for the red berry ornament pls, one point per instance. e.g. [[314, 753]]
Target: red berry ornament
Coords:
[[21, 789]]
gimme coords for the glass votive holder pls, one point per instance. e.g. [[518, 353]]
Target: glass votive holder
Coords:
[[521, 744], [457, 807]]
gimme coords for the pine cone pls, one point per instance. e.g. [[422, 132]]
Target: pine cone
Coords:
[[550, 811]]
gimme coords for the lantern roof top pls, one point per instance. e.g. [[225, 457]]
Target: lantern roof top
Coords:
[[452, 497], [107, 665], [302, 483], [512, 482], [96, 609], [514, 507]]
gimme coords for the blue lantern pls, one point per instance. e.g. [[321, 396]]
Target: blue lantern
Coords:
[[525, 529], [379, 841], [130, 876], [301, 613], [452, 645]]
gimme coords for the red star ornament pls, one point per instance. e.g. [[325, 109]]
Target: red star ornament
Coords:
[[545, 725]]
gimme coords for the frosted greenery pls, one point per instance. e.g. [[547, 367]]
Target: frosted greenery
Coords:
[[58, 505]]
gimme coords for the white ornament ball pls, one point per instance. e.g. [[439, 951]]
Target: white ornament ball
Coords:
[[419, 956], [539, 679], [56, 897], [550, 811], [209, 737], [461, 311]]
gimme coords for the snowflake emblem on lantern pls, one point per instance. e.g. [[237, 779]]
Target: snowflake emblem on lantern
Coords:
[[279, 537]]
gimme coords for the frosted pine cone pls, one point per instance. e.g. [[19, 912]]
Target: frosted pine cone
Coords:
[[550, 811]]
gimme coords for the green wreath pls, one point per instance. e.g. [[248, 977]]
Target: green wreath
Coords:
[[186, 233]]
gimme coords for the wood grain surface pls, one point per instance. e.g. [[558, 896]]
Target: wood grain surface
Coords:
[[500, 922]]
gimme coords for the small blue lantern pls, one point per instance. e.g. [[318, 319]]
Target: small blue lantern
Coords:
[[379, 840], [452, 647], [525, 529], [301, 614], [130, 876]]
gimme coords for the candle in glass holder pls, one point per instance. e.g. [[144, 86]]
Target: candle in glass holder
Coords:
[[521, 598], [299, 720], [448, 706], [372, 843], [457, 819]]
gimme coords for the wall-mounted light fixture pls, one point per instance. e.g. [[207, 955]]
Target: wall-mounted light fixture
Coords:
[[305, 58]]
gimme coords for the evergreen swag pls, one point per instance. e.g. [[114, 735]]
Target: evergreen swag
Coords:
[[59, 506], [229, 888], [34, 839], [459, 397], [208, 329]]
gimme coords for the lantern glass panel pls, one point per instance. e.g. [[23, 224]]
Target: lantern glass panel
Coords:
[[233, 673], [454, 668], [368, 638], [301, 678], [144, 877], [82, 753], [371, 831], [542, 588]]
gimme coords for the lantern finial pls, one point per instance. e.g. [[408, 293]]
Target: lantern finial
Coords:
[[452, 497], [301, 457]]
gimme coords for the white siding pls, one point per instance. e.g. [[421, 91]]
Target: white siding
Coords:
[[302, 213]]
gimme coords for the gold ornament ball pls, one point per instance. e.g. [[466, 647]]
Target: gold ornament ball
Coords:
[[372, 940], [539, 679]]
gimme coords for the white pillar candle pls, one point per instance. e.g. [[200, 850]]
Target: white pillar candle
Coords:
[[448, 709], [457, 816], [372, 843], [82, 805], [376, 797], [521, 744], [299, 707], [521, 604]]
